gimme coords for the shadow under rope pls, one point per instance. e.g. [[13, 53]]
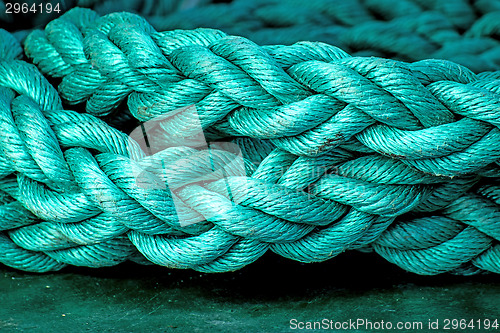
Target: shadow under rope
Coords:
[[273, 277]]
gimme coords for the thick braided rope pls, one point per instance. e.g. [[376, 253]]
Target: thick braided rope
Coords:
[[409, 30], [293, 95], [73, 218], [351, 206]]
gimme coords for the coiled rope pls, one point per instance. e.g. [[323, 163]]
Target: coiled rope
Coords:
[[338, 152]]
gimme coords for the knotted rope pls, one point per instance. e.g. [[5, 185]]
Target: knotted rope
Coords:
[[330, 152]]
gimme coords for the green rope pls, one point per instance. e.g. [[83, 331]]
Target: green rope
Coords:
[[303, 150]]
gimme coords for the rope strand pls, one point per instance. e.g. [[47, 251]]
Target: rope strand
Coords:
[[316, 152]]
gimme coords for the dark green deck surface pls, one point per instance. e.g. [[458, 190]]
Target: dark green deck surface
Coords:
[[263, 297]]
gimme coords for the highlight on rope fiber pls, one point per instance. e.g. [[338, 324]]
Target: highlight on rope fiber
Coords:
[[203, 150]]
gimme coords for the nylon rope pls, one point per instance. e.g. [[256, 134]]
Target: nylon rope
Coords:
[[204, 150]]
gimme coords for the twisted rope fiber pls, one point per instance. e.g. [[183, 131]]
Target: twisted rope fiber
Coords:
[[418, 187], [409, 30], [105, 81]]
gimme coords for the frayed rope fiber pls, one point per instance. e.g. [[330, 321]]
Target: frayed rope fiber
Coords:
[[201, 150]]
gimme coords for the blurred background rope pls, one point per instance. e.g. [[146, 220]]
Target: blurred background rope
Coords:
[[409, 30], [339, 152]]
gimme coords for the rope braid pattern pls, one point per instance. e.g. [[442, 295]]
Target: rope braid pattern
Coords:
[[418, 187], [462, 31]]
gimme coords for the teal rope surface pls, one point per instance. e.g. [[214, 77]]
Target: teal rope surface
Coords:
[[335, 152]]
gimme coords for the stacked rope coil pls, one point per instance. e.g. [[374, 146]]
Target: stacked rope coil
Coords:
[[338, 152], [409, 30]]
